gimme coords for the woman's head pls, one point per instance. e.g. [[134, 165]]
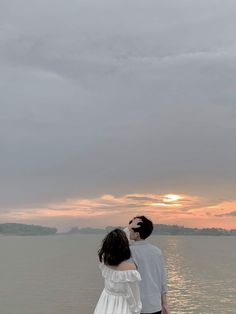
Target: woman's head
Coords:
[[115, 248]]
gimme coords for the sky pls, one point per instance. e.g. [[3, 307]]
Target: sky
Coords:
[[111, 109]]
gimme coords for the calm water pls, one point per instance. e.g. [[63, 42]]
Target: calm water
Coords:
[[59, 275]]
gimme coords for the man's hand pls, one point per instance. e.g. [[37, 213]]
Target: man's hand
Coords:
[[135, 223], [165, 309]]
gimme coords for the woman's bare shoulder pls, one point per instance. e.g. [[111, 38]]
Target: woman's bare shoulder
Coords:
[[126, 266]]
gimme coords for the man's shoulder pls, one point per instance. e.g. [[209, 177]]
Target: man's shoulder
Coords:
[[155, 249]]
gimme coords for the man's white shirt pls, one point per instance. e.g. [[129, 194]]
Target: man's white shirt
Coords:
[[150, 263]]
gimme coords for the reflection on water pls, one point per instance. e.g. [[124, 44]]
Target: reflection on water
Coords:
[[201, 274], [60, 275], [180, 283]]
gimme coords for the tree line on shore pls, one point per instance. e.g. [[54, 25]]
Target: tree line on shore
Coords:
[[162, 229], [24, 230], [159, 229]]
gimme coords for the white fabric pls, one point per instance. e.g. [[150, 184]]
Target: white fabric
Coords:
[[121, 293]]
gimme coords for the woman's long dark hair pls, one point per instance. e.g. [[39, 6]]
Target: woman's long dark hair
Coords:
[[115, 248]]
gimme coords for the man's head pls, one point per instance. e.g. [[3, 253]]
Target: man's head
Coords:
[[144, 229]]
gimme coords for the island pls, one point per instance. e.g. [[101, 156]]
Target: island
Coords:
[[25, 230], [161, 229]]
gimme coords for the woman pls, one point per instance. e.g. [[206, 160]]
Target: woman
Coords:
[[121, 292]]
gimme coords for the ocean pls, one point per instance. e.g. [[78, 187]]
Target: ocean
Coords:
[[60, 275]]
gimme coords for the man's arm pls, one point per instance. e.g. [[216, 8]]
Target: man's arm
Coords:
[[164, 304], [135, 223], [127, 232]]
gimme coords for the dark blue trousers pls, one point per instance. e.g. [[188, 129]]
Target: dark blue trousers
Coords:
[[153, 313]]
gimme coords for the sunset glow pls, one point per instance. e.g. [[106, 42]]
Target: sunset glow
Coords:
[[118, 119], [187, 210]]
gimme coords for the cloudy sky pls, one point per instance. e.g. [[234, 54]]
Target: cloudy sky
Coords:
[[115, 108]]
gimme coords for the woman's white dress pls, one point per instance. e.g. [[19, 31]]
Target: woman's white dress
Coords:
[[121, 292]]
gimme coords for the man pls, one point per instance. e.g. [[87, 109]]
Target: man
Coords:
[[150, 263]]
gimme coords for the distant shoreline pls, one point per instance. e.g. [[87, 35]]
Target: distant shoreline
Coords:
[[15, 229], [161, 229]]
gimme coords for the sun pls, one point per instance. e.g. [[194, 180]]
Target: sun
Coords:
[[171, 198]]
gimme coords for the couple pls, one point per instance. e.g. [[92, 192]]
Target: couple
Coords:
[[135, 276]]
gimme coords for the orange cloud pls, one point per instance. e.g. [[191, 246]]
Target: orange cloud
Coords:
[[170, 208]]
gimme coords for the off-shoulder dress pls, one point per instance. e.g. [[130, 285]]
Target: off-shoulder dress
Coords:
[[121, 292]]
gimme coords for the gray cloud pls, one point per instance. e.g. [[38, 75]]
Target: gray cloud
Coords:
[[116, 97], [230, 214]]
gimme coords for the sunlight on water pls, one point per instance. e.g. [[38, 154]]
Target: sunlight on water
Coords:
[[201, 272]]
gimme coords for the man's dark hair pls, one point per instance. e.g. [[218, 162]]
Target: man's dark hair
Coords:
[[145, 229], [115, 248]]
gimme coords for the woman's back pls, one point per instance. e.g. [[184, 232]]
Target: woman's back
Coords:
[[121, 291]]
